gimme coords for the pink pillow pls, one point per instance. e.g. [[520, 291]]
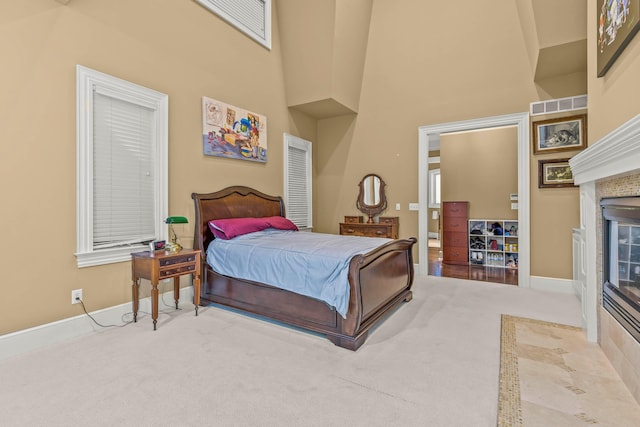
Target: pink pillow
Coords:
[[229, 228], [281, 223]]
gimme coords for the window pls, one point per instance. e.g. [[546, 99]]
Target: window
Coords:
[[252, 17], [434, 188], [297, 181], [121, 188]]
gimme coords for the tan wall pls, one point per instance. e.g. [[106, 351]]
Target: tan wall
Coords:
[[419, 70], [613, 99], [415, 75], [482, 168], [175, 47], [554, 213]]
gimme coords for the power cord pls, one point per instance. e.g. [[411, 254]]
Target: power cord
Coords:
[[125, 323], [100, 324]]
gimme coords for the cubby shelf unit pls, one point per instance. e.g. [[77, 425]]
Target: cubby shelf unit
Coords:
[[493, 243]]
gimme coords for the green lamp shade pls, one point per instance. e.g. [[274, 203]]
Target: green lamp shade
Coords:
[[176, 220]]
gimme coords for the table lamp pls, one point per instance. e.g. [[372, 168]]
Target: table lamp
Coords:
[[174, 246]]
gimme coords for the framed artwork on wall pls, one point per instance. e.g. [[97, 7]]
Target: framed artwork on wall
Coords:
[[563, 134], [554, 173], [233, 132], [617, 22]]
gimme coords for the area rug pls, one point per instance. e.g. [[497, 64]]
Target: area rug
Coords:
[[549, 371]]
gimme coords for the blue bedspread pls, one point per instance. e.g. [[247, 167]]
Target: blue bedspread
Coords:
[[311, 264]]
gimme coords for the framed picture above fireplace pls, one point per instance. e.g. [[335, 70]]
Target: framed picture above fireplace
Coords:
[[617, 23], [554, 174], [560, 134]]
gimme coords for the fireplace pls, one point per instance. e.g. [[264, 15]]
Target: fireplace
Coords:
[[621, 261], [608, 173]]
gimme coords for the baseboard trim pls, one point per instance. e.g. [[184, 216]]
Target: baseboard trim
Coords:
[[550, 284], [26, 340]]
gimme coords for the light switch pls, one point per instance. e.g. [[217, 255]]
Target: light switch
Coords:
[[414, 206], [397, 206]]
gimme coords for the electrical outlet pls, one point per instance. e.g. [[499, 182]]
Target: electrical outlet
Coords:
[[76, 296]]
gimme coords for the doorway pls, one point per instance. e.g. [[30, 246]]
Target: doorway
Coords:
[[429, 135]]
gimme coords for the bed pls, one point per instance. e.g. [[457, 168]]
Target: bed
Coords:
[[378, 281]]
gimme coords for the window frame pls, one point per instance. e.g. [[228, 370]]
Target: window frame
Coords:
[[237, 21], [88, 80], [433, 192], [306, 146]]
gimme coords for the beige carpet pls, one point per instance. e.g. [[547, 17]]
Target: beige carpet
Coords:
[[434, 362], [548, 371]]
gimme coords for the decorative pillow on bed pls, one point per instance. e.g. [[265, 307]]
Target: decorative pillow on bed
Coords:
[[232, 227]]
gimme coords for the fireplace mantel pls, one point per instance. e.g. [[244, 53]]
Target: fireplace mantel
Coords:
[[616, 153]]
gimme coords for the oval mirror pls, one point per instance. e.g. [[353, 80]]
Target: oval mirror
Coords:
[[372, 199], [371, 188]]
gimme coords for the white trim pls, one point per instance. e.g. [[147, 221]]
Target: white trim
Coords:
[[433, 204], [616, 153], [432, 132], [292, 141], [88, 80], [26, 340]]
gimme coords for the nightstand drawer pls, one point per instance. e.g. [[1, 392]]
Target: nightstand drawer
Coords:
[[183, 269], [177, 260]]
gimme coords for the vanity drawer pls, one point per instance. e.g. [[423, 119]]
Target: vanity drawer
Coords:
[[370, 230], [388, 220], [353, 219]]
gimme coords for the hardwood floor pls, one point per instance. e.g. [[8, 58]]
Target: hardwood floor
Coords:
[[471, 272]]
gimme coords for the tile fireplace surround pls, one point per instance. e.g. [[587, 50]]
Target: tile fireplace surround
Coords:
[[608, 168]]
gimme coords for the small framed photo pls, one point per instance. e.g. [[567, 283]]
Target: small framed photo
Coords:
[[563, 134], [554, 174]]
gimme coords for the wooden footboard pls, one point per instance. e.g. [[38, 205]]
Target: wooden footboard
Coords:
[[379, 280]]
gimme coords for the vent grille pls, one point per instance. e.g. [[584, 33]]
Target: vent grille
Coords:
[[559, 105]]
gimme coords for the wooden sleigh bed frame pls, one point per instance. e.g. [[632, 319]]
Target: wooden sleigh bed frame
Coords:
[[379, 280]]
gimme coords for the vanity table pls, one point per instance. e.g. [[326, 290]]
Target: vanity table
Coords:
[[371, 201]]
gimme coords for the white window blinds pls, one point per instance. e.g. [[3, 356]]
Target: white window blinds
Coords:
[[123, 173], [298, 190], [253, 17], [121, 169]]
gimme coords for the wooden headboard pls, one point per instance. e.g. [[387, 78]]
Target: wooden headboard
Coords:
[[231, 202]]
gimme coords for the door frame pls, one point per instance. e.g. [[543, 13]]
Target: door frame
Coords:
[[431, 133]]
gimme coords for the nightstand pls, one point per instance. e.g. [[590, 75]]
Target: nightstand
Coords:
[[155, 266]]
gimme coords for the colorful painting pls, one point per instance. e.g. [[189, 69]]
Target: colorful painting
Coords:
[[233, 132], [618, 21]]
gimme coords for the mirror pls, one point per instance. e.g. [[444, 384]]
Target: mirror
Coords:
[[371, 200]]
